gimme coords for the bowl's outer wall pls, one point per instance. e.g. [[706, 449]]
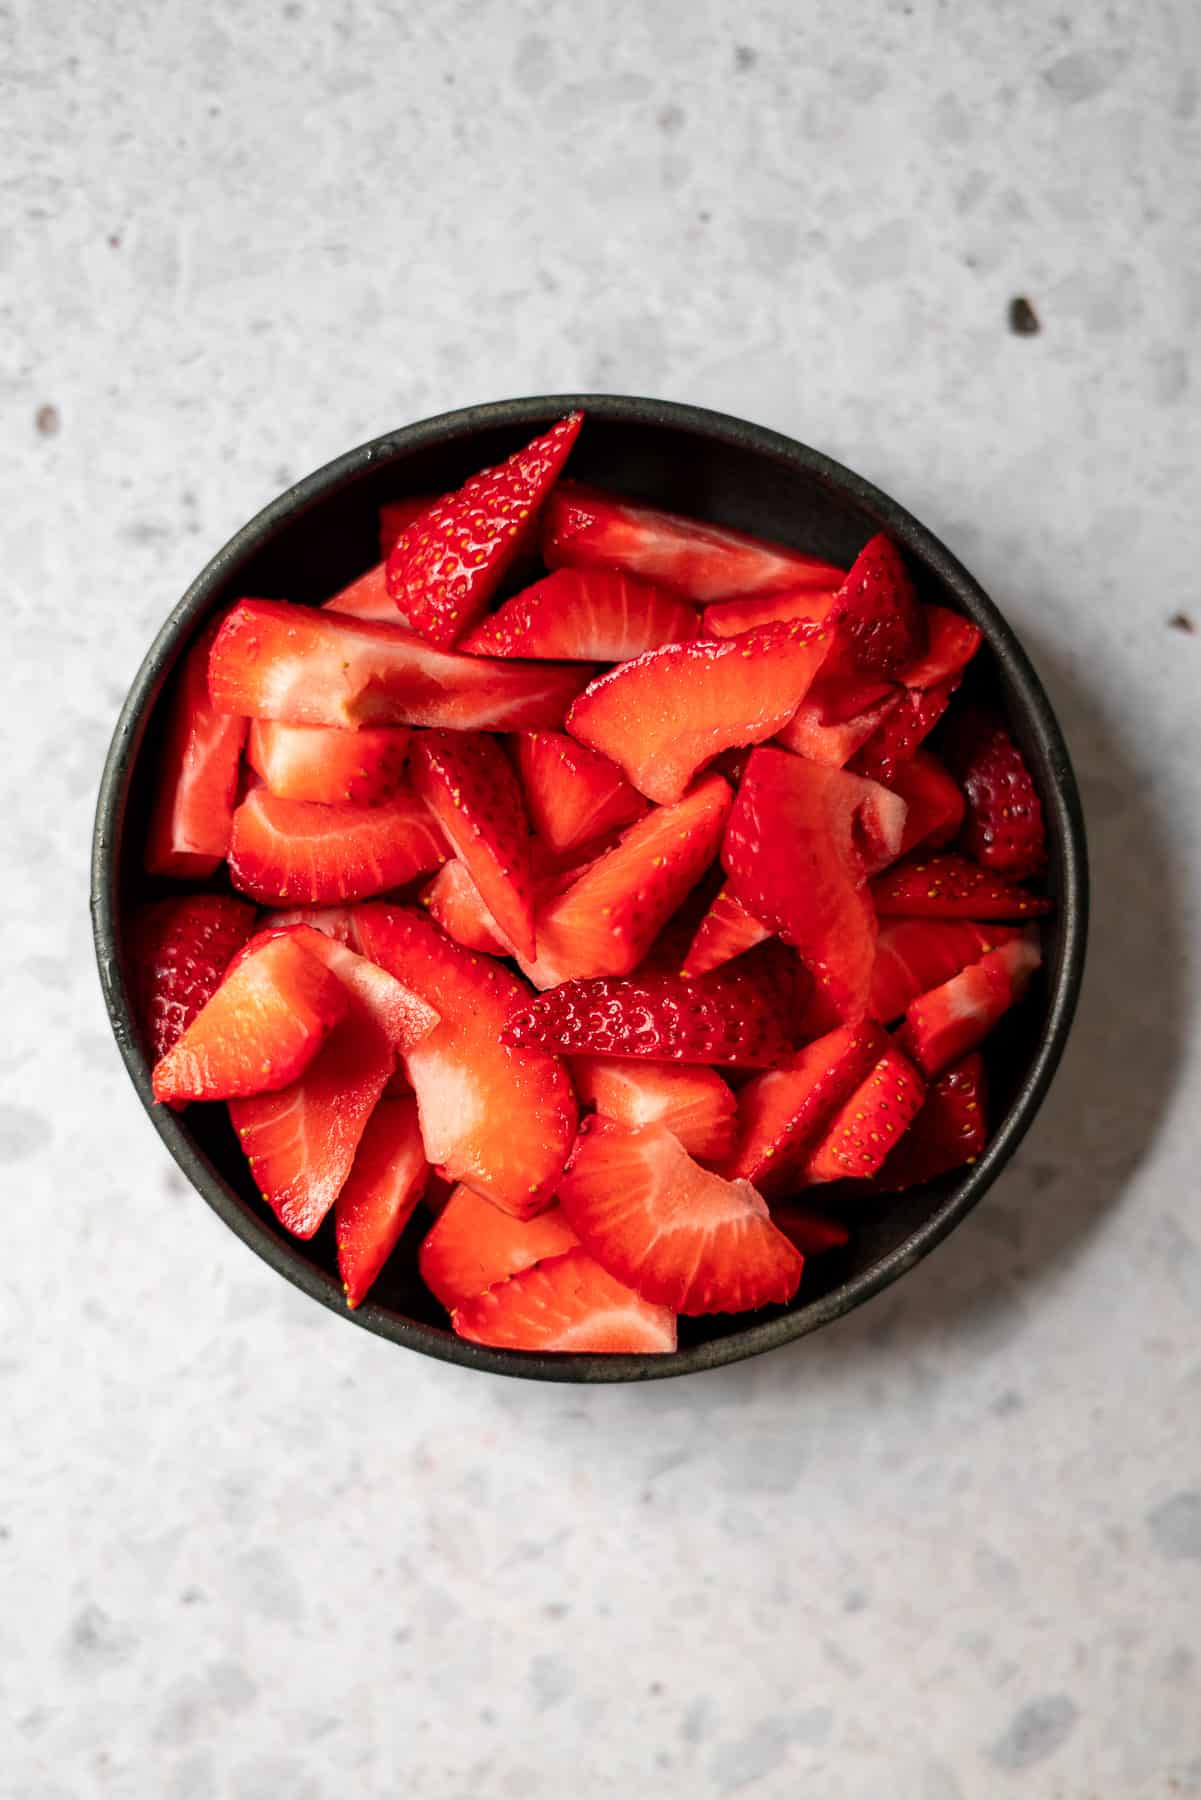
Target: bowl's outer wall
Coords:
[[320, 535]]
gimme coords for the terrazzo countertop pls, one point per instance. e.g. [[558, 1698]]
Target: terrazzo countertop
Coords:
[[949, 1548]]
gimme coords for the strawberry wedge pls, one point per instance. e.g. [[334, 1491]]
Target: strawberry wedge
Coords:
[[566, 1303], [583, 527], [469, 786], [951, 643], [694, 1103], [1004, 827], [915, 955], [901, 732], [871, 1122], [366, 597], [934, 799], [308, 666], [197, 775], [379, 1196], [783, 1112], [730, 618], [473, 1244], [837, 717], [295, 851], [402, 1015], [179, 950], [334, 768], [456, 904], [949, 1132], [574, 796], [950, 1020], [665, 715], [585, 615], [726, 930], [877, 622], [951, 887]]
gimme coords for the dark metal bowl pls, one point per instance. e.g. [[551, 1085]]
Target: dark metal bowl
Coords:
[[318, 536]]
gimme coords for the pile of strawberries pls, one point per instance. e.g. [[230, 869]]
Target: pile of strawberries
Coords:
[[681, 783]]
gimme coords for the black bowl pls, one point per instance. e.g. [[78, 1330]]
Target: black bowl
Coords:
[[318, 536]]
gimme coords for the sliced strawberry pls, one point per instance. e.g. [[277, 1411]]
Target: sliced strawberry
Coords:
[[950, 1130], [307, 666], [915, 955], [694, 1103], [903, 729], [403, 1016], [934, 800], [395, 517], [179, 949], [585, 615], [258, 1032], [867, 1126], [321, 763], [366, 597], [583, 527], [196, 775], [473, 1244], [1004, 829], [469, 785], [730, 618], [496, 1117], [606, 918], [726, 930], [783, 1112], [294, 850], [813, 1233], [380, 1195], [334, 921], [450, 560], [574, 795], [944, 1024], [668, 713], [951, 887], [456, 903], [877, 621], [678, 1234], [567, 1303], [837, 717], [951, 643]]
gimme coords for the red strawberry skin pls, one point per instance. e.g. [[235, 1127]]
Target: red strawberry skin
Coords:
[[872, 1121], [665, 715], [730, 618], [934, 799], [574, 795], [395, 517], [951, 887], [949, 1021], [469, 785], [294, 852], [379, 1196], [915, 955], [877, 621], [585, 615], [320, 763], [567, 1303], [951, 643], [1004, 829], [782, 1112], [837, 717], [472, 1245], [726, 931], [196, 775], [950, 1131], [900, 733], [179, 949], [448, 563]]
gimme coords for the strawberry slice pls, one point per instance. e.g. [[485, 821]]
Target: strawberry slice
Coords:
[[730, 618], [726, 930], [583, 527], [837, 717], [871, 1122], [1004, 829], [395, 517], [694, 1103], [950, 1020], [877, 621], [318, 762], [473, 1245], [261, 1028], [934, 799], [379, 1196], [455, 902], [783, 1112], [678, 1234], [951, 643], [813, 1233], [179, 949], [951, 887], [915, 955], [566, 1303], [606, 918], [574, 795], [497, 1117], [334, 921], [403, 1016], [294, 850], [305, 665], [366, 597], [665, 715], [585, 615], [449, 561], [196, 775], [950, 1130], [904, 727], [469, 785]]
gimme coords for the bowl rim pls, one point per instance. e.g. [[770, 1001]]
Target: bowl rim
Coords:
[[1061, 805]]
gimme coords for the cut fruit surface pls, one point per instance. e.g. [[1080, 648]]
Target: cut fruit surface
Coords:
[[944, 1024], [951, 643], [379, 1196], [951, 887], [726, 931], [1004, 829], [334, 921], [321, 763], [473, 1245], [915, 955], [566, 1303], [934, 800], [837, 717], [694, 1103], [295, 850], [574, 795], [729, 618], [902, 730], [783, 1112], [470, 787], [950, 1130], [876, 619], [456, 904], [179, 950], [870, 1123], [403, 1016], [585, 615], [196, 775], [366, 597], [678, 1234]]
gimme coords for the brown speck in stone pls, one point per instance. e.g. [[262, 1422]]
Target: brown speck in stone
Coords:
[[1183, 621], [114, 240], [47, 421], [744, 57], [1023, 320]]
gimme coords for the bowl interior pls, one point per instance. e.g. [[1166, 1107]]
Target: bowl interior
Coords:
[[322, 534]]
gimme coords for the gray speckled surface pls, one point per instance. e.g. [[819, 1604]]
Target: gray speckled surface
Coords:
[[952, 1547]]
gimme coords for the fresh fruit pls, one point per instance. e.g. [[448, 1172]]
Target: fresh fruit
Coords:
[[934, 800], [566, 1303], [583, 527], [403, 1016], [379, 1196], [334, 921], [870, 1123], [258, 1032], [179, 949], [783, 1112], [500, 1118], [665, 715], [606, 919], [944, 1024], [726, 930], [1004, 828], [469, 785], [455, 902], [813, 1233], [837, 716], [901, 731], [951, 887], [295, 850], [306, 666], [729, 618], [197, 775], [693, 1102], [915, 955], [950, 1129], [321, 763], [574, 795], [473, 1244], [585, 615], [951, 643], [395, 517], [449, 561], [678, 1234], [876, 620], [366, 597]]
